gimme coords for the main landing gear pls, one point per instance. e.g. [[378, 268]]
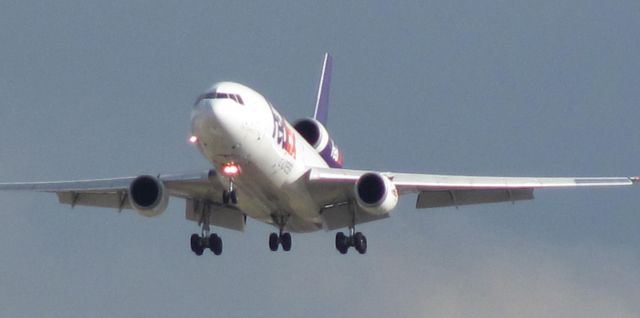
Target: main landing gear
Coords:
[[280, 238], [283, 239], [200, 243], [205, 240], [355, 239]]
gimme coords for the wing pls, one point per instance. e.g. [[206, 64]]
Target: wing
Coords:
[[200, 190], [448, 190]]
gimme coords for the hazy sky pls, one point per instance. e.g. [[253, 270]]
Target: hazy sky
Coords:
[[531, 88]]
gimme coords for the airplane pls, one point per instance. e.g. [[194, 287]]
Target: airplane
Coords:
[[288, 175]]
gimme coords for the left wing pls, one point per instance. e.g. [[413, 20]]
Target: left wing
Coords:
[[449, 190], [196, 188]]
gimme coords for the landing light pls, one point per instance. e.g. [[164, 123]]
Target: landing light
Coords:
[[230, 169], [193, 139]]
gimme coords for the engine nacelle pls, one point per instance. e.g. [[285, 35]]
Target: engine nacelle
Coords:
[[318, 137], [148, 196], [376, 194]]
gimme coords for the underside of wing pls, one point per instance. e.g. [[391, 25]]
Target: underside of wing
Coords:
[[105, 193], [443, 198], [200, 190], [450, 190], [441, 190], [346, 214]]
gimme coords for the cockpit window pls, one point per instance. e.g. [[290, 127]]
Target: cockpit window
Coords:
[[216, 95]]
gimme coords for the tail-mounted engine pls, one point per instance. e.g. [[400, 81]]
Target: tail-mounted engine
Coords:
[[148, 196], [376, 194], [318, 137]]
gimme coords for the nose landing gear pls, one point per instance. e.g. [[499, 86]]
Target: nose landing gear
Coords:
[[230, 170], [230, 196]]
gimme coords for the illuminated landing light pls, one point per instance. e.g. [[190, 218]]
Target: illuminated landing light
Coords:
[[230, 169], [193, 140]]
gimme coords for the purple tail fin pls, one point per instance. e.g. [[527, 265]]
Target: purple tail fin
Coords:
[[322, 102]]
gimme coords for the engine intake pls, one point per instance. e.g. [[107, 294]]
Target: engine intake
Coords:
[[318, 137], [148, 196], [376, 194]]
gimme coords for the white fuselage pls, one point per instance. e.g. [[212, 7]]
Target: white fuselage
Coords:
[[235, 124]]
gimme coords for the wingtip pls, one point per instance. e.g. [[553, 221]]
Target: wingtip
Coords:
[[635, 180]]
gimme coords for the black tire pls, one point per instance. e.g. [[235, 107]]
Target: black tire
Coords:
[[273, 242], [215, 244], [233, 197], [360, 242], [225, 197], [285, 240], [342, 243], [196, 244]]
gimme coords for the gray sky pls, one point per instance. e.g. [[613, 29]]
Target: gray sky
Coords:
[[531, 88]]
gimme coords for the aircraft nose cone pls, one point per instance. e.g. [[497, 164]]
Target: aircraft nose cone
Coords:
[[224, 112], [215, 117], [212, 110], [202, 106]]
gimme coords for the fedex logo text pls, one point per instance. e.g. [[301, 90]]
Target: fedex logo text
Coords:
[[283, 134]]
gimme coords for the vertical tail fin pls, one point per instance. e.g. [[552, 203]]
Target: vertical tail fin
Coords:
[[322, 101]]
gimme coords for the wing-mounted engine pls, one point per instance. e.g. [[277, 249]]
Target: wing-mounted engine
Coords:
[[148, 196], [376, 194], [318, 137]]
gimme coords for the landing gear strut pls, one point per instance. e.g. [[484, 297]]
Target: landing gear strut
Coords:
[[280, 238], [204, 240], [230, 195], [355, 239]]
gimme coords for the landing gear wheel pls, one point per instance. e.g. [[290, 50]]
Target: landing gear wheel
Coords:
[[342, 243], [225, 197], [229, 197], [285, 240], [206, 239], [360, 243], [215, 244], [357, 240], [233, 197], [273, 242], [196, 244]]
